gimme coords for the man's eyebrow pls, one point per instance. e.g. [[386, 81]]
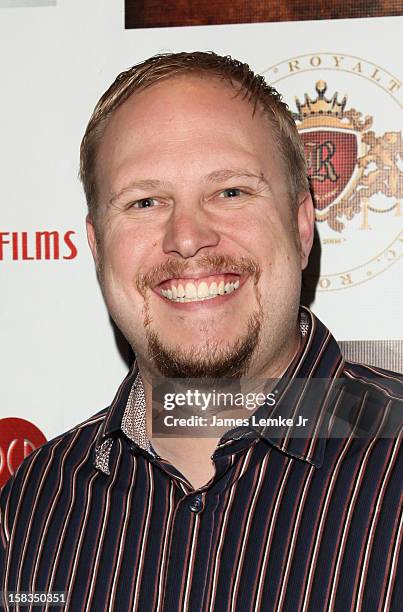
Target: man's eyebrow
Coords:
[[223, 175], [141, 184], [214, 177]]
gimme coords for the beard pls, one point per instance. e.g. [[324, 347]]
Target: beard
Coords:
[[209, 360]]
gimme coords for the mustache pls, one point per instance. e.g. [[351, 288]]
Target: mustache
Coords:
[[211, 264]]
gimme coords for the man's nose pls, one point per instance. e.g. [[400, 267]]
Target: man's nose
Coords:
[[188, 231]]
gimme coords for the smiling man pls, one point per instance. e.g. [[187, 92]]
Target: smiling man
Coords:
[[200, 222], [193, 203]]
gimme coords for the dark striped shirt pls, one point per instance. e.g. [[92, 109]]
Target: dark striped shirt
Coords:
[[287, 523]]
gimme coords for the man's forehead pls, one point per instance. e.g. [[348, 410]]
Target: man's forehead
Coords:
[[190, 92], [202, 117], [188, 110]]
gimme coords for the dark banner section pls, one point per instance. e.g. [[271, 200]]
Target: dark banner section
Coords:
[[155, 13]]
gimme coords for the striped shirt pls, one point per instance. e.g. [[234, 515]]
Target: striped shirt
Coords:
[[286, 523]]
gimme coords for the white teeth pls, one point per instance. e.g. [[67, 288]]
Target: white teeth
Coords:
[[202, 292], [213, 288], [190, 290]]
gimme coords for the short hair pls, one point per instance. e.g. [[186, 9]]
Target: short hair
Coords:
[[163, 66]]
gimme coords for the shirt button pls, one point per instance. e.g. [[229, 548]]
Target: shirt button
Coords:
[[197, 504]]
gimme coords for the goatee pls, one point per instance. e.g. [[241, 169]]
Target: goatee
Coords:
[[210, 360]]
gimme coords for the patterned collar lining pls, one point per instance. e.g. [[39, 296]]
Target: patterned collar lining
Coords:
[[134, 417]]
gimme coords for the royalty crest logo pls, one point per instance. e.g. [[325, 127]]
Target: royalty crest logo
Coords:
[[355, 160], [333, 138]]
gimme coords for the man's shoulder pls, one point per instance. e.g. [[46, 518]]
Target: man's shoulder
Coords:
[[372, 402], [88, 428], [374, 379], [66, 451]]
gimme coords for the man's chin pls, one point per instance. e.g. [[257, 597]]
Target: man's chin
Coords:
[[211, 359]]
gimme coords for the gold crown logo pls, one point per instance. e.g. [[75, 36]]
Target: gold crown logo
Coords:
[[328, 112]]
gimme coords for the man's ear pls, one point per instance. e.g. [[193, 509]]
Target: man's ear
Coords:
[[306, 225], [91, 237]]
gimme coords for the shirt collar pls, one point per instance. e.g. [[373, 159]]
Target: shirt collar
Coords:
[[307, 389]]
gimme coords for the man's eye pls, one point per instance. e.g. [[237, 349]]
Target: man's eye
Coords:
[[232, 192], [144, 203]]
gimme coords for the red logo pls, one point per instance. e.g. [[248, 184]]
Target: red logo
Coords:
[[331, 156], [18, 438]]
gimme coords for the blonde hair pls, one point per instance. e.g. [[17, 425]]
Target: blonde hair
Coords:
[[253, 87]]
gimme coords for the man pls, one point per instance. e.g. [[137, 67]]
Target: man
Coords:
[[200, 221]]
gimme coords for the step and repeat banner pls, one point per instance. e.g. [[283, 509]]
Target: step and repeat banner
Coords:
[[62, 359]]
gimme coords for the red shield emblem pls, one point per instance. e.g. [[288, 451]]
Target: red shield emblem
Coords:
[[332, 157]]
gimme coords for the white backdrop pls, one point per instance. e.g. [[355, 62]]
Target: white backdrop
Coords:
[[60, 363]]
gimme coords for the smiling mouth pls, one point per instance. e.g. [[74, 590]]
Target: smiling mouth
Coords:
[[198, 290]]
